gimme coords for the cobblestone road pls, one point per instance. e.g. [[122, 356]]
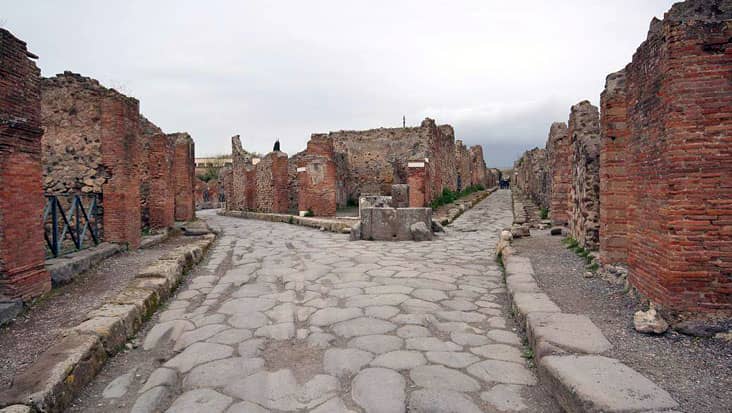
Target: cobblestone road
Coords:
[[283, 318]]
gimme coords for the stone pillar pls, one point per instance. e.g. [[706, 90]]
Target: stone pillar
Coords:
[[477, 167], [584, 196], [184, 174], [419, 184], [161, 199], [400, 196], [239, 160], [560, 173], [271, 183], [22, 255], [317, 178], [615, 185]]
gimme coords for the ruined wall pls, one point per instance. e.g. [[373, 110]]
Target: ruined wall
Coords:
[[532, 176], [22, 271], [159, 202], [584, 195], [317, 177], [559, 169], [91, 144], [271, 183], [147, 131], [462, 162], [371, 161], [293, 181], [184, 175], [239, 160], [478, 171], [615, 184], [679, 119]]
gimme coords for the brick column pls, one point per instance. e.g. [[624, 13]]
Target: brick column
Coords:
[[615, 186], [249, 186], [22, 256], [317, 177], [418, 180], [560, 173], [120, 123], [184, 173], [161, 200]]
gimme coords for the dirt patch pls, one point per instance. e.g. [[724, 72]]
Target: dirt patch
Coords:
[[304, 361], [697, 372], [22, 342]]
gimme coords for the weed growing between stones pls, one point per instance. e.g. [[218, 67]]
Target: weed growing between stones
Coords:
[[544, 213]]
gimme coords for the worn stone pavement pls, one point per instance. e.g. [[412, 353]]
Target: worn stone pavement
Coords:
[[284, 318]]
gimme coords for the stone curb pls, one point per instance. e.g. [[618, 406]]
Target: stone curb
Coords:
[[64, 269], [329, 225], [567, 350], [51, 383]]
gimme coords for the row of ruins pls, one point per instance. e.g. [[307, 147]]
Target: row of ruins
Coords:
[[70, 136], [646, 180]]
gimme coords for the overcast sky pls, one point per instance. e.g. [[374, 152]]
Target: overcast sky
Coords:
[[499, 72]]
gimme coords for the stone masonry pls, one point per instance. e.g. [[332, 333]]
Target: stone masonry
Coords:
[[160, 197], [91, 144], [184, 175], [271, 183], [478, 171], [22, 272], [675, 101], [532, 176], [463, 163], [560, 173], [584, 194], [147, 131], [317, 177]]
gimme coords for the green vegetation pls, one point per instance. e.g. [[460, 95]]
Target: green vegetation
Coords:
[[573, 245], [448, 196], [309, 213], [544, 213], [211, 173]]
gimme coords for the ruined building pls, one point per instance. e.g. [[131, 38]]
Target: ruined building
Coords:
[[22, 256], [559, 169], [667, 156]]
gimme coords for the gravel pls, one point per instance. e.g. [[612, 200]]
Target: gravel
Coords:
[[22, 342], [697, 372]]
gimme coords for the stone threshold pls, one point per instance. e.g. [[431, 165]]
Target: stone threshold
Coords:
[[52, 382], [339, 226], [568, 351]]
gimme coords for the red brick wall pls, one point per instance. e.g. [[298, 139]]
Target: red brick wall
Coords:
[[678, 94], [147, 131], [271, 183], [161, 197], [184, 168], [560, 173], [616, 188], [419, 184], [317, 177], [22, 256]]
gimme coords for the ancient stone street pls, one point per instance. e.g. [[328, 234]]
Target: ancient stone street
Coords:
[[284, 318]]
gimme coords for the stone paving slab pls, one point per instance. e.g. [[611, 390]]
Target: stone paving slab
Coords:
[[575, 333]]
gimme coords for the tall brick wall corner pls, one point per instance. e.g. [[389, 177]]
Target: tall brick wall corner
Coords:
[[184, 174], [22, 255], [560, 173], [584, 195], [317, 177], [161, 196]]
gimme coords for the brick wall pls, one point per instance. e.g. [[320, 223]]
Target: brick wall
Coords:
[[160, 198], [560, 173], [293, 181], [678, 93], [317, 177], [532, 176], [147, 131], [462, 162], [91, 144], [184, 175], [584, 195], [616, 188], [271, 183], [22, 272]]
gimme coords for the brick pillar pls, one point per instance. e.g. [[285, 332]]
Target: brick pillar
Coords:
[[22, 255], [249, 188], [161, 200], [184, 173], [317, 177], [615, 186], [120, 123], [419, 183], [560, 173], [281, 199]]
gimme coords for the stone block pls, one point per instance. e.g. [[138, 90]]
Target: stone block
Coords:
[[400, 196], [574, 333], [392, 224]]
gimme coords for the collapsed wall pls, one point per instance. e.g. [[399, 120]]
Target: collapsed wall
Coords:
[[22, 256], [559, 173], [677, 150], [91, 144], [584, 195]]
